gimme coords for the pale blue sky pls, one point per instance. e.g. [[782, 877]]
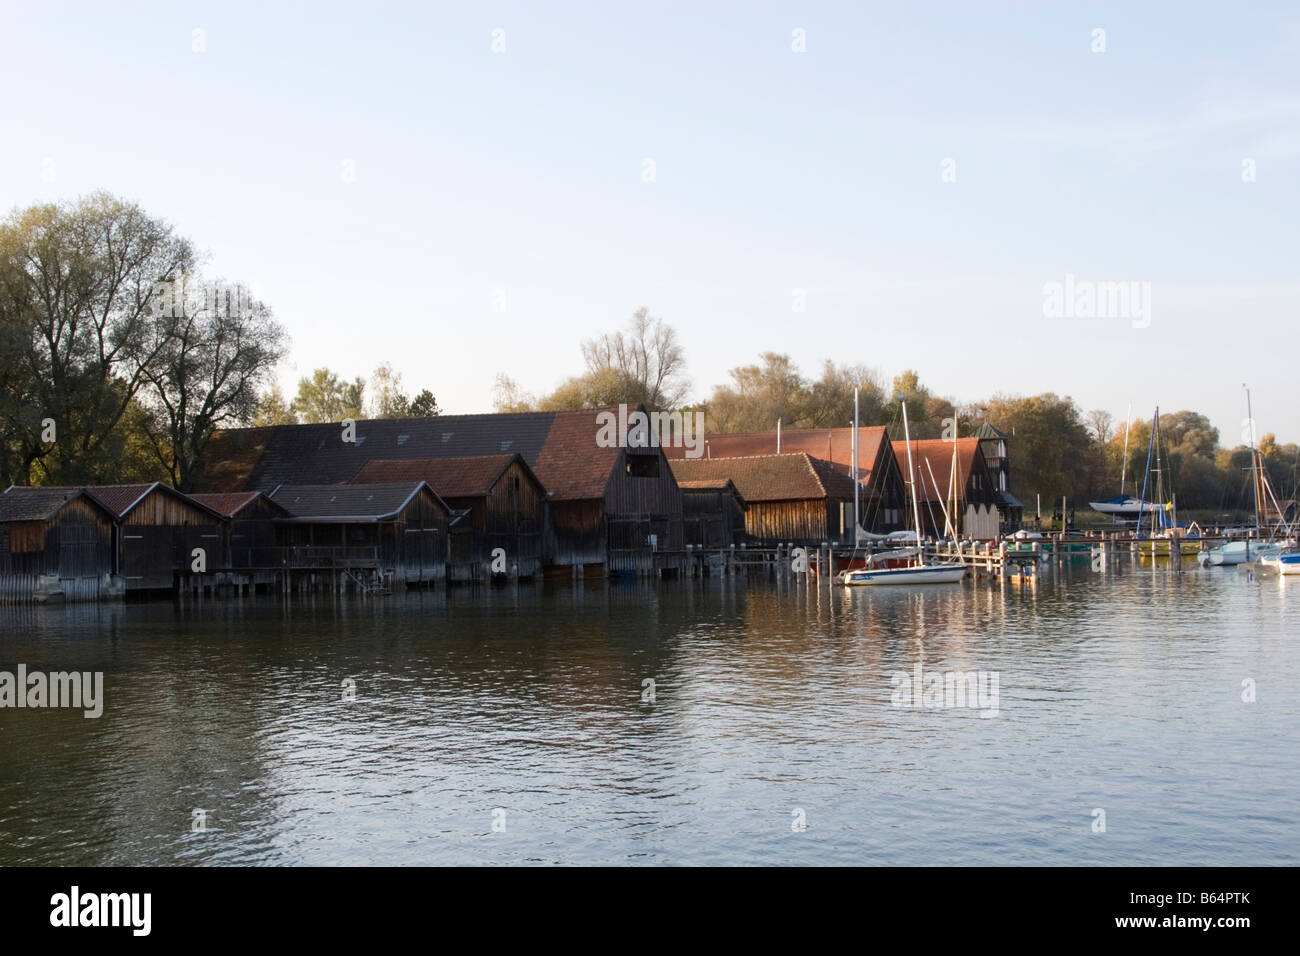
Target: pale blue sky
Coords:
[[775, 171]]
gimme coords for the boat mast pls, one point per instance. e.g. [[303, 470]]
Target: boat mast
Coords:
[[952, 477], [1146, 477], [1254, 465], [1160, 475], [856, 522], [1123, 467], [911, 481]]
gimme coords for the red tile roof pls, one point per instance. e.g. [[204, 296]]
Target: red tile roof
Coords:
[[449, 477], [937, 453], [834, 445], [571, 464], [229, 504], [782, 477]]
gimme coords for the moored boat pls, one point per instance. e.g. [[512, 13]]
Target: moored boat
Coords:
[[1287, 563], [920, 572]]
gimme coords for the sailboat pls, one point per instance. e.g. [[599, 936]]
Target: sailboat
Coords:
[[1123, 506], [1164, 536], [916, 572], [1251, 549]]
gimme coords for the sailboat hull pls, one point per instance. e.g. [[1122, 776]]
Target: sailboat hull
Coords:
[[1287, 564], [934, 574]]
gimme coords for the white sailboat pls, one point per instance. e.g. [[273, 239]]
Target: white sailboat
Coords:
[[1124, 506], [918, 572], [1251, 549]]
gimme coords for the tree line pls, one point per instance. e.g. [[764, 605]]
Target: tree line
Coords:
[[1056, 448], [119, 358]]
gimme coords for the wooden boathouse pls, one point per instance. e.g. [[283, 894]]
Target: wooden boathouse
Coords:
[[497, 503], [160, 534], [790, 499], [249, 535], [881, 496], [713, 514], [55, 543], [377, 535], [610, 507], [976, 492]]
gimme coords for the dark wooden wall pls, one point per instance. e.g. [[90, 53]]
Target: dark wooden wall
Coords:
[[509, 517], [76, 543], [642, 499], [712, 519], [805, 522], [157, 538]]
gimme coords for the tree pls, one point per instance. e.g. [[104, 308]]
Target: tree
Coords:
[[1102, 424], [424, 405], [324, 397], [274, 409], [387, 400], [828, 402], [218, 345], [647, 357], [605, 386], [759, 395], [1054, 452], [79, 281], [926, 413], [508, 396]]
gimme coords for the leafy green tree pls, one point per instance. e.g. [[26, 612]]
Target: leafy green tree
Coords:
[[79, 282], [424, 405], [324, 397]]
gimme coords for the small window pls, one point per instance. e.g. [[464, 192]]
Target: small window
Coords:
[[643, 466]]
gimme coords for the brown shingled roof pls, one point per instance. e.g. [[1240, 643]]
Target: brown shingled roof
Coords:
[[449, 477], [571, 464], [229, 504], [833, 445], [22, 503], [782, 477], [937, 452]]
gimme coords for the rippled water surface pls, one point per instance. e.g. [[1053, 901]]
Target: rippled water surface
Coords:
[[771, 707]]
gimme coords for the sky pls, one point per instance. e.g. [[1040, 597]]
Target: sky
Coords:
[[468, 189]]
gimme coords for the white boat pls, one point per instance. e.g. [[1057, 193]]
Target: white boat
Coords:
[[1244, 552], [1237, 552], [920, 572], [1288, 563], [1123, 506], [916, 574]]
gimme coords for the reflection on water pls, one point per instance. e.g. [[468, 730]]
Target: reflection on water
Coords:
[[1120, 692]]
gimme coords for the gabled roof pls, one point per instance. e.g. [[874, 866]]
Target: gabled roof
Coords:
[[121, 500], [834, 445], [449, 477], [22, 503], [712, 484], [244, 459], [795, 477], [349, 503], [572, 464], [229, 504], [987, 431], [934, 455], [560, 447]]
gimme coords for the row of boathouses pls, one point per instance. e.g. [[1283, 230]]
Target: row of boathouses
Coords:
[[418, 502]]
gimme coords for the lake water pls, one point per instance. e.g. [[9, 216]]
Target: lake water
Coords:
[[515, 725]]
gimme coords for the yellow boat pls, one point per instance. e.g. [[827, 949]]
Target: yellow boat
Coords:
[[1163, 547]]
